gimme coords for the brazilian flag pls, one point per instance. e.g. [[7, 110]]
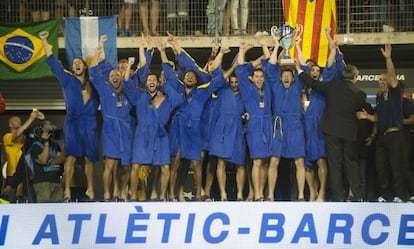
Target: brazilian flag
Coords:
[[21, 50]]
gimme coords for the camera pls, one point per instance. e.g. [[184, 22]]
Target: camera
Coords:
[[49, 128], [34, 132]]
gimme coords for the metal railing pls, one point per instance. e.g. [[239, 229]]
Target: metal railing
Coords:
[[190, 18]]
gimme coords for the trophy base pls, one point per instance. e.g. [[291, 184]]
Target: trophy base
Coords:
[[287, 64]]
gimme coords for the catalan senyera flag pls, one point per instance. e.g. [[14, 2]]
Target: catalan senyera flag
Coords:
[[82, 36], [21, 50], [314, 16]]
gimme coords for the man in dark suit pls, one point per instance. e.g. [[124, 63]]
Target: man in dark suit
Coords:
[[340, 125]]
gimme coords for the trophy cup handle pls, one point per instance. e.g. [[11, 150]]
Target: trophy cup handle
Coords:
[[299, 30], [274, 31]]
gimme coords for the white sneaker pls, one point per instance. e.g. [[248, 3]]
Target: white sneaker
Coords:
[[411, 199], [397, 200], [387, 28], [381, 199]]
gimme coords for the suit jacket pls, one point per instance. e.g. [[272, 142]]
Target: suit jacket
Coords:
[[343, 100]]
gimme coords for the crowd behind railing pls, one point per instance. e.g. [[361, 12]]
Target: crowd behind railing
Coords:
[[210, 17]]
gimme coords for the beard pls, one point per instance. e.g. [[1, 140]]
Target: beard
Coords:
[[189, 86]]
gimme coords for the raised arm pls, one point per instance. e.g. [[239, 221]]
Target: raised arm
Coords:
[[160, 43], [46, 46], [273, 56], [333, 46], [131, 61], [392, 77], [98, 55], [299, 52], [174, 44], [261, 39], [36, 114], [231, 70], [141, 50], [244, 47], [309, 81], [219, 58]]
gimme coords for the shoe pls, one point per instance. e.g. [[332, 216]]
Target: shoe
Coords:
[[120, 32], [240, 199], [397, 200], [244, 32], [198, 33], [261, 199], [381, 199], [129, 33], [236, 32], [66, 200], [205, 198], [387, 28], [154, 200], [301, 199], [411, 199]]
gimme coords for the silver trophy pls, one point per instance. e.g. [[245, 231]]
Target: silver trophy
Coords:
[[286, 35]]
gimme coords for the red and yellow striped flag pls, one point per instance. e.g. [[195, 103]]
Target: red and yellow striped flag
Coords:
[[314, 16]]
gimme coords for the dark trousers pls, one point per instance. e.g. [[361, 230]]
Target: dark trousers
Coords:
[[409, 160], [389, 159], [343, 159]]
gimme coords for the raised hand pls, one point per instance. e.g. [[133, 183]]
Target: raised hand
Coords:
[[160, 43], [44, 34], [386, 51], [103, 39], [131, 61]]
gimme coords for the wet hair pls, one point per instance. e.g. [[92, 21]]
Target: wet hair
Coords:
[[191, 71], [287, 70], [122, 61], [151, 74], [350, 72], [258, 69], [86, 70], [311, 61]]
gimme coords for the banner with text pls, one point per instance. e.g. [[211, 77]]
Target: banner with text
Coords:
[[207, 225]]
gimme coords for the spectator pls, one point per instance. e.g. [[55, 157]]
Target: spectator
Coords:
[[124, 18], [60, 11], [177, 14], [153, 15], [48, 159], [197, 17], [408, 109], [389, 154], [22, 11], [239, 8], [40, 9], [13, 145], [215, 13], [2, 104], [81, 139]]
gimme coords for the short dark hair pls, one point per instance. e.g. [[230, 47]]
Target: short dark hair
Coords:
[[349, 72]]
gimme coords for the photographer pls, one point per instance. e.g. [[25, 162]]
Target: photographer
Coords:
[[47, 159], [13, 142]]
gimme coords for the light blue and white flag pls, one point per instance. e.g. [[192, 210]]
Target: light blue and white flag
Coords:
[[82, 36]]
